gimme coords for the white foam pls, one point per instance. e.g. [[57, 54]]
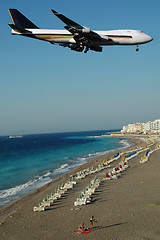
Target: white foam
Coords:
[[125, 144], [82, 159], [11, 194], [61, 169], [94, 136]]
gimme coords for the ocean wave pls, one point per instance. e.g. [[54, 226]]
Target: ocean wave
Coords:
[[125, 143], [93, 136], [61, 169], [11, 194], [72, 163]]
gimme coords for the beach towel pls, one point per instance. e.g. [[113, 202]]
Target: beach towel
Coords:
[[107, 176], [84, 232]]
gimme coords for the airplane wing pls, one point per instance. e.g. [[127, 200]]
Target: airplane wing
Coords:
[[81, 33], [72, 26]]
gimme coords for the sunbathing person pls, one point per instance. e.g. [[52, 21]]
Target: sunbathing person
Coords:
[[81, 227]]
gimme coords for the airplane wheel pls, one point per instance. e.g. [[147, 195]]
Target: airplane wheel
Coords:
[[137, 49], [86, 50]]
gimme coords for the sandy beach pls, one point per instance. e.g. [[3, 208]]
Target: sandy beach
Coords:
[[127, 208]]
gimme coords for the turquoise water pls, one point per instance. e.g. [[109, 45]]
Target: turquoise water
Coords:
[[31, 161]]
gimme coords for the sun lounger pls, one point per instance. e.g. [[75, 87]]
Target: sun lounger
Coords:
[[57, 195], [39, 209], [86, 194], [46, 204], [80, 202]]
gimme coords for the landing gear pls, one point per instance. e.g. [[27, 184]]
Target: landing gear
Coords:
[[137, 49], [86, 50]]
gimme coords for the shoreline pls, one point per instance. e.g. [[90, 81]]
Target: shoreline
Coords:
[[21, 189], [91, 162]]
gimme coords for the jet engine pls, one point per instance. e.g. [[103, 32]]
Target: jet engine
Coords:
[[76, 48], [86, 30]]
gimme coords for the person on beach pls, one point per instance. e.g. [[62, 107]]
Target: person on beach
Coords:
[[90, 199], [92, 219], [81, 227]]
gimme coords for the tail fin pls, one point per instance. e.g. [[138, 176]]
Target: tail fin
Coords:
[[20, 20]]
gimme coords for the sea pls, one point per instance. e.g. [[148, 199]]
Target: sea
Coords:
[[30, 161]]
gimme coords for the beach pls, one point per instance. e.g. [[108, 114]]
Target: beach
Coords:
[[125, 208]]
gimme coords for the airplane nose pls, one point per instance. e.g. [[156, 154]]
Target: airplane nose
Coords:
[[148, 38]]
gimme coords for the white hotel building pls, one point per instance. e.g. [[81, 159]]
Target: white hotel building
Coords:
[[148, 127]]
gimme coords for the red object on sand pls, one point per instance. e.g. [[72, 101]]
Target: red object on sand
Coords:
[[107, 176], [86, 232], [124, 163], [120, 166]]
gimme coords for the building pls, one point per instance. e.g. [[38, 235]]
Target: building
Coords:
[[133, 128], [145, 128]]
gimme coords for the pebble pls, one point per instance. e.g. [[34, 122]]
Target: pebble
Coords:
[[75, 209]]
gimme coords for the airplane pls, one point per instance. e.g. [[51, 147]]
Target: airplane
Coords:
[[75, 36]]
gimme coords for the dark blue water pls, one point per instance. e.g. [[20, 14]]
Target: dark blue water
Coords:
[[31, 161]]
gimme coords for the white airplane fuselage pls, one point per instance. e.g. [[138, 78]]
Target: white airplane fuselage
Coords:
[[113, 37], [75, 36]]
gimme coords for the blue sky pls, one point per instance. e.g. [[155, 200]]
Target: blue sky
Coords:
[[45, 88]]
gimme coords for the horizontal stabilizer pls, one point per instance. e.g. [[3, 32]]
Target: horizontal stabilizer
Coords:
[[20, 20], [18, 29]]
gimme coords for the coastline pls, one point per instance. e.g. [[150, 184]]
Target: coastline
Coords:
[[90, 162], [25, 204], [9, 195]]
